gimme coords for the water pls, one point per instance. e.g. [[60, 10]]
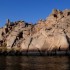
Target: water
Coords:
[[34, 63]]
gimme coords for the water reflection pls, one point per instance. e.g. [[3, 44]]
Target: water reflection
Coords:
[[34, 63], [2, 63]]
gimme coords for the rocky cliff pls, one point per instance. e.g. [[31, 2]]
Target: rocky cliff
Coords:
[[50, 34]]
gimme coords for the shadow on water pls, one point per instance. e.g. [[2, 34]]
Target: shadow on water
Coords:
[[35, 63], [2, 63]]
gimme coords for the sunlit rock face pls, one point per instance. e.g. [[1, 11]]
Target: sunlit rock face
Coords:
[[50, 34]]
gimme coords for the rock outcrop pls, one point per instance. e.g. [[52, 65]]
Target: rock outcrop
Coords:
[[50, 34]]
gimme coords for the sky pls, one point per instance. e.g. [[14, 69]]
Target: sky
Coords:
[[29, 10]]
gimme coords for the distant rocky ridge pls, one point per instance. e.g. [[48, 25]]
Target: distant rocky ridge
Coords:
[[51, 34]]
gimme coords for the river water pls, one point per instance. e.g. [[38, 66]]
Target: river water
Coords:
[[34, 62]]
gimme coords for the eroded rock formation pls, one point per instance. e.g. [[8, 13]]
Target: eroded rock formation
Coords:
[[50, 34]]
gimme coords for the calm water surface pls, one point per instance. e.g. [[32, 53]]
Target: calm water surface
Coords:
[[34, 63]]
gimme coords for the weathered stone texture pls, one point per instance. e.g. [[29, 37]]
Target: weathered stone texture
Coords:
[[47, 35]]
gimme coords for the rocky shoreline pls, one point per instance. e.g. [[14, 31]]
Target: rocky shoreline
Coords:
[[47, 35], [48, 53]]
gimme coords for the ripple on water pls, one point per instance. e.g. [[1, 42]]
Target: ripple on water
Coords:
[[34, 63]]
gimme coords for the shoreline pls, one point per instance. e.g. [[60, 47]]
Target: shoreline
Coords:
[[49, 53]]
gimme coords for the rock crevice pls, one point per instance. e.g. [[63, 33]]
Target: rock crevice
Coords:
[[50, 34]]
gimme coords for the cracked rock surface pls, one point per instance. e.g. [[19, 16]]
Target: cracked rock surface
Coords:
[[50, 34]]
